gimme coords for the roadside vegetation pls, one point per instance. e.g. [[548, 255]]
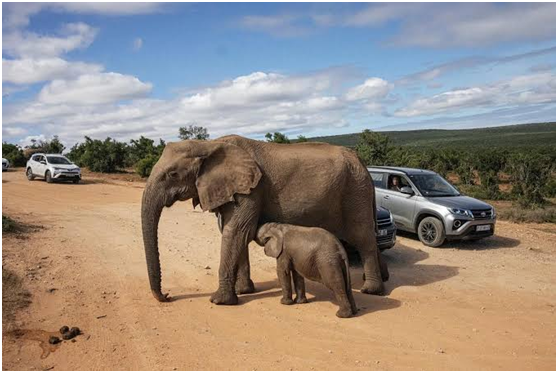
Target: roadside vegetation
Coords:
[[9, 225], [512, 163]]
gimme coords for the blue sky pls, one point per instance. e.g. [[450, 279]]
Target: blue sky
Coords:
[[129, 69]]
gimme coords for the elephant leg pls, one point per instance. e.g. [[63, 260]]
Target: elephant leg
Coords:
[[284, 276], [300, 288], [336, 283], [241, 221], [244, 284], [369, 254]]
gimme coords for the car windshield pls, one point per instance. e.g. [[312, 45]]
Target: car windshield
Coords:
[[433, 185], [58, 160]]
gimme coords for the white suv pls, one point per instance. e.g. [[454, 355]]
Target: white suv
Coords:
[[52, 167]]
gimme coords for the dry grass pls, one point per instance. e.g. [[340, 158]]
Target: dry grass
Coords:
[[510, 211], [14, 298]]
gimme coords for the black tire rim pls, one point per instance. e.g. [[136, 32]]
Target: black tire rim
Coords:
[[428, 232], [29, 173], [48, 176]]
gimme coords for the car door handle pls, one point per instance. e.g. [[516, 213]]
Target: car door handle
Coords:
[[386, 197]]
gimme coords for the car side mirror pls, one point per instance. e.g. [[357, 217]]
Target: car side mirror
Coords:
[[43, 162], [407, 190]]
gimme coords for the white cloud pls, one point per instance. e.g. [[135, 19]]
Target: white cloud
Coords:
[[93, 89], [16, 15], [31, 45], [249, 104], [371, 89], [29, 71], [475, 24], [282, 25], [137, 44], [13, 131], [526, 89], [433, 25], [469, 63]]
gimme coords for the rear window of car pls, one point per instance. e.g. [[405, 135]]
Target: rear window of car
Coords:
[[378, 179]]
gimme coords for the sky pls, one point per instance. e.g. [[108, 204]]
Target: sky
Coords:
[[123, 70]]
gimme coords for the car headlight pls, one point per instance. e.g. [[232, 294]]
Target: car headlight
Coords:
[[390, 217], [461, 212], [58, 169], [493, 211]]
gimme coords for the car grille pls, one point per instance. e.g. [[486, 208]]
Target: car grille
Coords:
[[387, 238], [382, 222], [482, 214]]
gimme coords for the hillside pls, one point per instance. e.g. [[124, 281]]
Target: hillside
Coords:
[[521, 135]]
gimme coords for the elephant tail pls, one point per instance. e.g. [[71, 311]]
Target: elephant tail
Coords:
[[346, 271]]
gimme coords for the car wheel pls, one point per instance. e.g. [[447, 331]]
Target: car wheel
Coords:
[[431, 232], [29, 174], [75, 181], [48, 178]]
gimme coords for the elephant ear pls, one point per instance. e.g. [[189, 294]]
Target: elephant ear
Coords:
[[274, 246], [226, 171]]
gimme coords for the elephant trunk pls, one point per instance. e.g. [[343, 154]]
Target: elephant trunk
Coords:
[[151, 208]]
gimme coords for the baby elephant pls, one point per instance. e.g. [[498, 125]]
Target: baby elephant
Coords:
[[310, 252]]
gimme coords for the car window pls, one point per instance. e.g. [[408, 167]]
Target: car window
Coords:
[[36, 158], [58, 160], [396, 182], [378, 179]]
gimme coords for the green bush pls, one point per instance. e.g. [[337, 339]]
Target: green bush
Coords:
[[193, 133], [100, 156], [145, 165], [530, 175], [373, 148], [14, 155], [277, 137], [9, 225]]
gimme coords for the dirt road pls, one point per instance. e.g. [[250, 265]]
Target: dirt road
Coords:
[[485, 305]]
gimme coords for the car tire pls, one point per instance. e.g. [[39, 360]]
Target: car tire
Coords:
[[431, 232], [48, 178], [29, 174], [75, 181]]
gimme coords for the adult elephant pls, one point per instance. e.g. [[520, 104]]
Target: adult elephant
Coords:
[[252, 182]]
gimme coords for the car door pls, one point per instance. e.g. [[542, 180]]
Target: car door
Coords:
[[379, 179], [39, 167], [401, 205]]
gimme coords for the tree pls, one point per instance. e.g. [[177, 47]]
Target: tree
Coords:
[[53, 146], [488, 164], [144, 154], [14, 154], [373, 148], [193, 133], [277, 137], [301, 139], [100, 156], [529, 175], [142, 148]]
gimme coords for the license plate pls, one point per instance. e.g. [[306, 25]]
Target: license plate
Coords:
[[481, 228], [382, 232]]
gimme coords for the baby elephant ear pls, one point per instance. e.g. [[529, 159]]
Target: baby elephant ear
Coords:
[[227, 170], [274, 246]]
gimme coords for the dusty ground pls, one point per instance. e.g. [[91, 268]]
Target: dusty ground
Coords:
[[485, 305]]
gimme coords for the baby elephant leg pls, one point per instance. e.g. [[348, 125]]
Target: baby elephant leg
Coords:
[[300, 289], [336, 282], [284, 275]]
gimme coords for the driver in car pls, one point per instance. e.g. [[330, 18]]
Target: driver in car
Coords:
[[395, 183]]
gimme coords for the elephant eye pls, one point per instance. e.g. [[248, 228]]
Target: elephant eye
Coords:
[[172, 174]]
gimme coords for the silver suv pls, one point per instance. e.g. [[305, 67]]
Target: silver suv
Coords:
[[52, 167], [423, 202]]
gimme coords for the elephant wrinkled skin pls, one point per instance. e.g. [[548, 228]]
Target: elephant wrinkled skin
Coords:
[[311, 253], [252, 182]]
